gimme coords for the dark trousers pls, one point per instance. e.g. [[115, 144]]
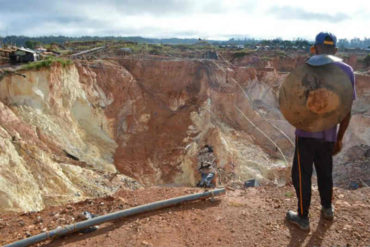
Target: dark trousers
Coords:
[[310, 151]]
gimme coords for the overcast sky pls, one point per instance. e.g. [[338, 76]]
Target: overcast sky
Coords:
[[207, 19]]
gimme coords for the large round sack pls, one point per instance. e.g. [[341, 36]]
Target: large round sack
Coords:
[[316, 98]]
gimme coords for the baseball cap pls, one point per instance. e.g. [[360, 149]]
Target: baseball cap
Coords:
[[326, 38]]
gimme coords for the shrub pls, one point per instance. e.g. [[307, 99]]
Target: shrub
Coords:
[[367, 60], [46, 63], [239, 54]]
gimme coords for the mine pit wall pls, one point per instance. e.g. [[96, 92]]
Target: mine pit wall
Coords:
[[176, 106], [161, 111], [55, 146], [65, 132], [352, 164]]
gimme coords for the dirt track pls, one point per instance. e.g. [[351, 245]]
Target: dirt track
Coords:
[[251, 217]]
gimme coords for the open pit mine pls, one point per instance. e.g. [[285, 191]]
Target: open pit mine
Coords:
[[94, 127], [85, 130]]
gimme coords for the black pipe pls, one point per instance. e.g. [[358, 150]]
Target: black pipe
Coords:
[[113, 216]]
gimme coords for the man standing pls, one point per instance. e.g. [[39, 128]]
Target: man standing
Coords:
[[318, 148]]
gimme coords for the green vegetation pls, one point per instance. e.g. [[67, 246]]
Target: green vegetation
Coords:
[[281, 54], [242, 53], [289, 194], [46, 63], [239, 54], [248, 42], [32, 44], [367, 60]]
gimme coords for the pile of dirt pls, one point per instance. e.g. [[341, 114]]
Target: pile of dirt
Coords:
[[241, 217]]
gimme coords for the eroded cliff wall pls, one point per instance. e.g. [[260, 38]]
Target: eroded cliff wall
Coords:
[[163, 110], [55, 146]]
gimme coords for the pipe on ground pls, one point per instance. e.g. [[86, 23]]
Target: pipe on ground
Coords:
[[113, 216]]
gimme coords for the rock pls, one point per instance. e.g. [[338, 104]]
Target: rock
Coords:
[[360, 223], [88, 215], [357, 235], [123, 200], [61, 221], [219, 218], [30, 227], [39, 219], [347, 227], [21, 223], [367, 153], [353, 185], [146, 243], [342, 203]]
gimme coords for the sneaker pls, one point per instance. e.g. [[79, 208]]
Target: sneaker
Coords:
[[328, 213], [294, 218]]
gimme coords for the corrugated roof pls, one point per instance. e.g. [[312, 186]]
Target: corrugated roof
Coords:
[[26, 50]]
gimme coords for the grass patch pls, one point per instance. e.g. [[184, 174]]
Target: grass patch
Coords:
[[46, 63], [281, 54], [289, 194], [241, 54]]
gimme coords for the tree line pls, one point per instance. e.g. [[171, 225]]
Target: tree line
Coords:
[[278, 42]]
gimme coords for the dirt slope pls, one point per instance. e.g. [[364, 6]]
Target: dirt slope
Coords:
[[250, 217]]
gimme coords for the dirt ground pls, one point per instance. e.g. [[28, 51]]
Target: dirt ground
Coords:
[[241, 217]]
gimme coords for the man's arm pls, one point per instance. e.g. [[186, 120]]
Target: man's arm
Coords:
[[342, 129]]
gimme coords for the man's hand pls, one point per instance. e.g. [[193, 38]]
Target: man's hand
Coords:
[[337, 147], [342, 129]]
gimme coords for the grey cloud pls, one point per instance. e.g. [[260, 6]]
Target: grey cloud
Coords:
[[22, 16], [172, 6], [287, 12], [157, 7], [130, 7]]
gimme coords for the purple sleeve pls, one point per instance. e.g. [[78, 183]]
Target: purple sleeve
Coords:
[[349, 71], [353, 84]]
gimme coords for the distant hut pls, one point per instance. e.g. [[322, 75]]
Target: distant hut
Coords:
[[23, 55]]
